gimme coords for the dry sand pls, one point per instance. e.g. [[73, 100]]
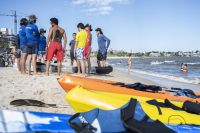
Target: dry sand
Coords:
[[14, 86]]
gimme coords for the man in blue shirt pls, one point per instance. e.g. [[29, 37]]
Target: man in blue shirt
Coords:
[[23, 44], [42, 46], [33, 36], [102, 51]]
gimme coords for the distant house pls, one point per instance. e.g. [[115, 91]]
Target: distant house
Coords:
[[154, 54]]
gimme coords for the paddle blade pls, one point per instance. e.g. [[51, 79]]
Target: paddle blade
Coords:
[[28, 102], [86, 49]]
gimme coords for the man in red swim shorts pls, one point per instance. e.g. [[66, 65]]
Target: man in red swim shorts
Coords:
[[56, 34]]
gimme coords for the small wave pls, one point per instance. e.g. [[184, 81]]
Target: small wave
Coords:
[[169, 61], [192, 63], [174, 78], [156, 63]]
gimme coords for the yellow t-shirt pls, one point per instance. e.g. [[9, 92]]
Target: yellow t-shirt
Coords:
[[81, 37]]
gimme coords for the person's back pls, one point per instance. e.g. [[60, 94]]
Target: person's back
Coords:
[[81, 37], [22, 36], [55, 36], [42, 43], [32, 38]]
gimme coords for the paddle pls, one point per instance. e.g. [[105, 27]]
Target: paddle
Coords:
[[30, 102]]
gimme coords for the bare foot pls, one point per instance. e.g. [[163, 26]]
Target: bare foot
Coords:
[[82, 76], [36, 74], [78, 73], [24, 73]]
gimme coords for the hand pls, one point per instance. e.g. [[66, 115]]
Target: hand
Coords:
[[106, 48], [34, 32], [46, 48], [64, 51], [18, 51]]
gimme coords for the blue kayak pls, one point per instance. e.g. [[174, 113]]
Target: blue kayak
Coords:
[[26, 121]]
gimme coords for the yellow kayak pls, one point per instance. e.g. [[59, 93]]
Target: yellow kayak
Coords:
[[83, 100]]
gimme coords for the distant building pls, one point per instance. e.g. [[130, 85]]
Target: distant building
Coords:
[[154, 54], [130, 52], [6, 36]]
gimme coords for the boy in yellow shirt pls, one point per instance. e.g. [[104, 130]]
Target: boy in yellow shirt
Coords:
[[81, 38]]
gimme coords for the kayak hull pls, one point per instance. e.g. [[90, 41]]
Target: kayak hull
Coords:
[[68, 82], [83, 100]]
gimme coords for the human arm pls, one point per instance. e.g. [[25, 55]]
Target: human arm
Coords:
[[75, 47], [90, 39], [49, 37], [37, 32], [65, 41], [76, 43], [70, 45], [108, 41]]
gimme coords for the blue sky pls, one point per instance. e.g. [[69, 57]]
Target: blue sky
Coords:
[[160, 25]]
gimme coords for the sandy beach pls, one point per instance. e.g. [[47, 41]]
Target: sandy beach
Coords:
[[14, 86]]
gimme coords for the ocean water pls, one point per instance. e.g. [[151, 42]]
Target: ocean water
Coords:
[[165, 68]]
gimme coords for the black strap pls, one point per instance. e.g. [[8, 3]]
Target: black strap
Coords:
[[159, 110], [146, 118]]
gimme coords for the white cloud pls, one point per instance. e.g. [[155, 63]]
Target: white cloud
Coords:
[[104, 13], [98, 7]]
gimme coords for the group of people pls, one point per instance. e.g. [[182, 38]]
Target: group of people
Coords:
[[32, 45], [184, 67]]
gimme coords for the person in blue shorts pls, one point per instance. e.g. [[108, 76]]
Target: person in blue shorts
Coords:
[[23, 44], [33, 36], [42, 46]]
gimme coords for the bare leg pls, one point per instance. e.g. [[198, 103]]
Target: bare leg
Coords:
[[47, 67], [82, 63], [13, 58], [18, 64], [89, 65], [129, 67], [39, 60], [29, 64], [59, 67], [71, 63], [78, 64], [104, 63], [34, 58], [23, 63], [98, 63]]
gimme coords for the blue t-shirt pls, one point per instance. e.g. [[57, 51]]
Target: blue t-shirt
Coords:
[[102, 43], [22, 36], [32, 39], [42, 43]]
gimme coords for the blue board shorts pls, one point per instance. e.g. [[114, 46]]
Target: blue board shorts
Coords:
[[101, 56], [32, 49], [24, 49], [79, 53]]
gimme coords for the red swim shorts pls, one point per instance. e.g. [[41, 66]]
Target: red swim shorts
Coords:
[[54, 48]]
